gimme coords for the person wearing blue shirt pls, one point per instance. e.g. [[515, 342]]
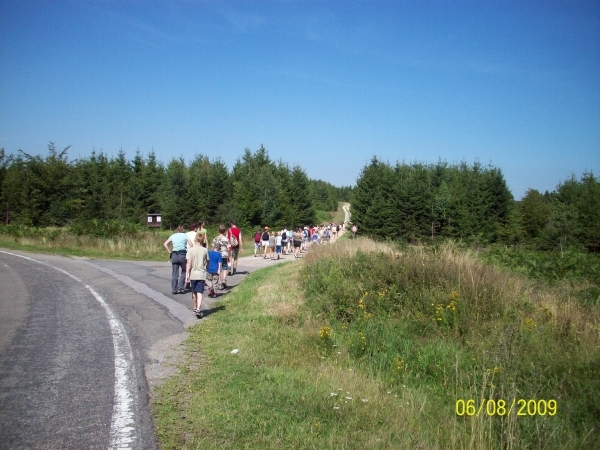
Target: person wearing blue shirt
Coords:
[[215, 262], [178, 262]]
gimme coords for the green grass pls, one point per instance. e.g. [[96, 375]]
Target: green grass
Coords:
[[326, 217], [132, 244], [339, 214], [404, 334]]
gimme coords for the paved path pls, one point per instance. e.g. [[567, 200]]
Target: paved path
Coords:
[[347, 213], [82, 342]]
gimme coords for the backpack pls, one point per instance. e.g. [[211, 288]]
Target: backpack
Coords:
[[265, 236], [257, 236], [233, 240], [284, 236]]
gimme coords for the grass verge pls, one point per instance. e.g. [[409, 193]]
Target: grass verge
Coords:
[[366, 346]]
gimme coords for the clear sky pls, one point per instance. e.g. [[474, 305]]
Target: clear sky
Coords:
[[325, 84]]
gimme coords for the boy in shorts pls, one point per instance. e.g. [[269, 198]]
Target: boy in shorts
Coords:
[[223, 246], [195, 272], [278, 244], [215, 262]]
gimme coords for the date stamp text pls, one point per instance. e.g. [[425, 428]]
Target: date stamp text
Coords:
[[500, 407]]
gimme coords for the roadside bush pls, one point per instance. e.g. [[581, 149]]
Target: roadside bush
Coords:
[[550, 266], [105, 228], [441, 320], [18, 231]]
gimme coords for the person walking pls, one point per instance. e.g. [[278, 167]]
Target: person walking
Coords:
[[195, 273], [257, 243], [305, 238], [191, 235], [285, 235], [234, 234], [297, 242], [278, 244], [215, 262], [272, 243], [222, 244], [265, 240], [178, 259], [200, 229]]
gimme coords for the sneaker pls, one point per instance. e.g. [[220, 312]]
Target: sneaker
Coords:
[[181, 291]]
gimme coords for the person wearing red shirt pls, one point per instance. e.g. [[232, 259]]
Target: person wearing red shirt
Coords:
[[235, 249]]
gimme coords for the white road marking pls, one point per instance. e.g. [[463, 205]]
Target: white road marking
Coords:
[[122, 427]]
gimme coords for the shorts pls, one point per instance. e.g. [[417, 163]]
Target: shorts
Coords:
[[265, 243], [257, 244], [278, 249], [235, 251], [197, 286], [225, 265], [297, 243], [212, 276]]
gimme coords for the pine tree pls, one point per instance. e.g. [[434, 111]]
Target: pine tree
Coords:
[[173, 194]]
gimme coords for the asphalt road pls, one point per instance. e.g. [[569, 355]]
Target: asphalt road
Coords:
[[82, 343]]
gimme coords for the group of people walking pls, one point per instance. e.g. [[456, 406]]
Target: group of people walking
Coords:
[[196, 262], [271, 244]]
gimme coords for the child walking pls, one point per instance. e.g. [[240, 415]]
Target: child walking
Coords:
[[223, 246], [278, 244], [215, 262], [195, 273]]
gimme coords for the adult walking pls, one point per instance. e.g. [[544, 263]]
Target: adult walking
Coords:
[[285, 235], [257, 242], [191, 235], [178, 259], [297, 241], [201, 230], [265, 240], [235, 239]]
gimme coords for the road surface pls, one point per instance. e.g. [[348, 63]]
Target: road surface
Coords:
[[82, 343]]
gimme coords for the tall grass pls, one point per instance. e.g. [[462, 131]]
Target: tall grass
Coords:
[[439, 320], [363, 345]]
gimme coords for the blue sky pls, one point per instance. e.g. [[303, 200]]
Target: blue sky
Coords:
[[325, 84]]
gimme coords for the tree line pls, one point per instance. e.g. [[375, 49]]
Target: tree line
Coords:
[[416, 202], [568, 217], [53, 191]]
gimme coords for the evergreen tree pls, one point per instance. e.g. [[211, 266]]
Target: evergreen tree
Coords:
[[535, 212], [303, 212], [173, 194]]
